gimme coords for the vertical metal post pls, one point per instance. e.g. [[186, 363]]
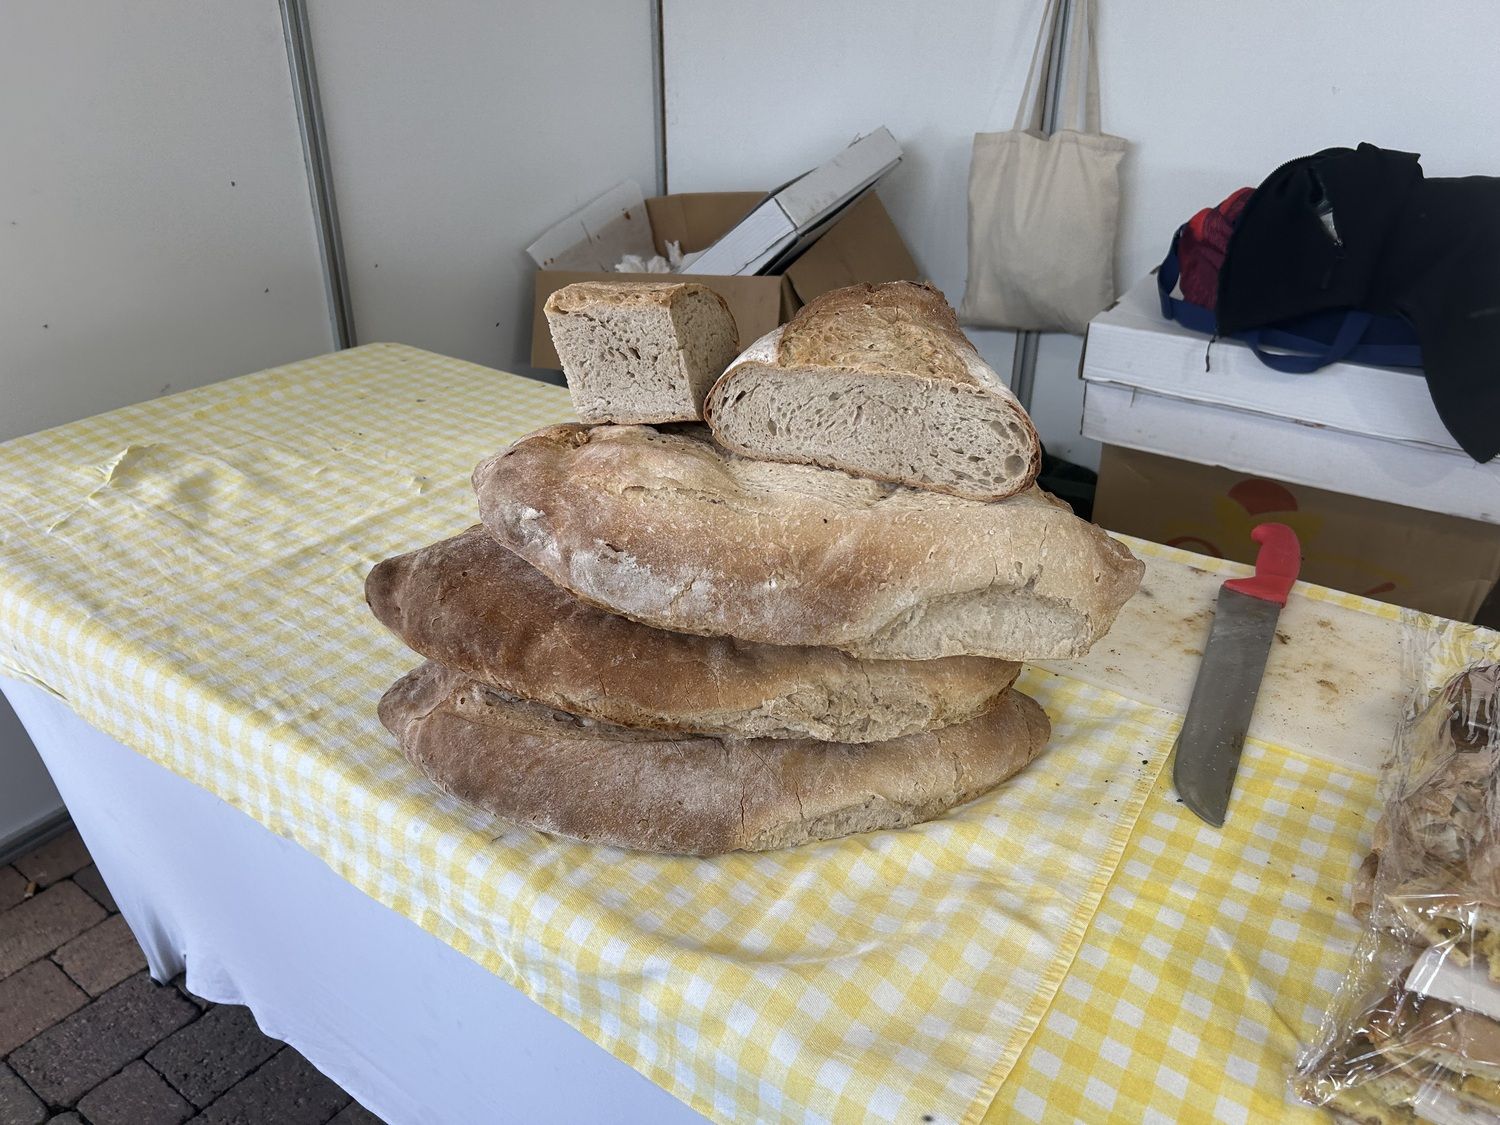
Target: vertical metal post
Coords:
[[299, 56], [1023, 360], [1023, 367], [659, 90]]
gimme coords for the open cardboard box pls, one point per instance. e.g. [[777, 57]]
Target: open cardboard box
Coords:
[[863, 245], [1437, 563]]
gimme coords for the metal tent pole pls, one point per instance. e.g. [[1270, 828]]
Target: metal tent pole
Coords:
[[1023, 359], [299, 55], [659, 92]]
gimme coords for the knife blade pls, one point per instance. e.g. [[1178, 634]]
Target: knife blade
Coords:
[[1207, 755]]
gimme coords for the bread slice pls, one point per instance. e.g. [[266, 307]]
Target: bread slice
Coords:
[[670, 530], [879, 381], [687, 794], [640, 351], [471, 605]]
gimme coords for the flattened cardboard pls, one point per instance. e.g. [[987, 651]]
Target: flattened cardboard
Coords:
[[598, 234], [863, 245], [1435, 563]]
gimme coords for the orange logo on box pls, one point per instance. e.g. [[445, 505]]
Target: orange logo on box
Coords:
[[1259, 496], [1249, 502], [1255, 500]]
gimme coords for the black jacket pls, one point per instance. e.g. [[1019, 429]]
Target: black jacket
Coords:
[[1364, 229]]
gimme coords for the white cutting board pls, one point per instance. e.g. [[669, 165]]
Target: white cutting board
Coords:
[[1333, 686]]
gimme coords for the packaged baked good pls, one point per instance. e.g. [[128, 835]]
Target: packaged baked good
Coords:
[[1414, 1032]]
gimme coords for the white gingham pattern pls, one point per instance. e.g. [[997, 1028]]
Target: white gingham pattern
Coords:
[[187, 574]]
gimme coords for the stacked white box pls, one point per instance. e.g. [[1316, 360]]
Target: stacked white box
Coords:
[[1363, 431]]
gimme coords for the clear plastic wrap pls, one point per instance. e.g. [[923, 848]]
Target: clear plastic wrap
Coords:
[[1414, 1031]]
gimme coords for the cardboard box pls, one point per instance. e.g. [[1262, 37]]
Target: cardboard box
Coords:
[[1437, 563], [863, 245]]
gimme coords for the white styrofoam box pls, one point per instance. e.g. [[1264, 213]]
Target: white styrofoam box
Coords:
[[1133, 345], [1362, 431], [1413, 474]]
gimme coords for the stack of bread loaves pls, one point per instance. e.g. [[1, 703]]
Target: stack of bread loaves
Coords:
[[800, 623]]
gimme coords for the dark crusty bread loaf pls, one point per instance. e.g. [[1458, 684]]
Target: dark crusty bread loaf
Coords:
[[689, 794], [879, 381], [640, 351], [672, 531], [470, 604]]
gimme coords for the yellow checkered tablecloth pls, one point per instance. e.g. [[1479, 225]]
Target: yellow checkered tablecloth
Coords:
[[187, 575], [1211, 959], [1215, 952]]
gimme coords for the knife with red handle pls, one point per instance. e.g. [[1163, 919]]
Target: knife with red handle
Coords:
[[1207, 755]]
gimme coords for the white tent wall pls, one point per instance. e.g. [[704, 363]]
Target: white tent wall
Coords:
[[1212, 96], [758, 92], [458, 131]]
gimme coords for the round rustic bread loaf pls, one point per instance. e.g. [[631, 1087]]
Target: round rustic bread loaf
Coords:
[[687, 794], [667, 528], [473, 606]]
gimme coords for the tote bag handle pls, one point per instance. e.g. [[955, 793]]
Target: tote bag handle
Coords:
[[1078, 107], [1029, 112]]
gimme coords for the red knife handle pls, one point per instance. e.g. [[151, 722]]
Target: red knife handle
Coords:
[[1276, 564]]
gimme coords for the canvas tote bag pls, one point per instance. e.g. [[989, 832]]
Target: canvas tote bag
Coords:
[[1044, 210]]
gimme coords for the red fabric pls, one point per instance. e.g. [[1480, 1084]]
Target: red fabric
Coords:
[[1200, 250]]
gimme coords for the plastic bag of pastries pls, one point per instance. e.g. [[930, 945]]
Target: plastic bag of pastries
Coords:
[[1414, 1031]]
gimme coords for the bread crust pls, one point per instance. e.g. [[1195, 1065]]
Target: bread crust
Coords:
[[670, 530], [692, 795], [627, 294], [912, 321], [473, 606]]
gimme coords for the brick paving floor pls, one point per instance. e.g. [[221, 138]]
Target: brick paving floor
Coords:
[[88, 1038]]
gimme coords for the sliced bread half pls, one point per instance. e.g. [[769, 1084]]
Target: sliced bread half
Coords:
[[879, 381]]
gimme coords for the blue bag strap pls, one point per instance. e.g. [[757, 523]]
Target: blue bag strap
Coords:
[[1193, 317], [1388, 342], [1388, 355], [1351, 332], [1381, 341], [1166, 278]]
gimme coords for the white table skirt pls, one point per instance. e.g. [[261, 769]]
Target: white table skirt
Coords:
[[410, 1027]]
